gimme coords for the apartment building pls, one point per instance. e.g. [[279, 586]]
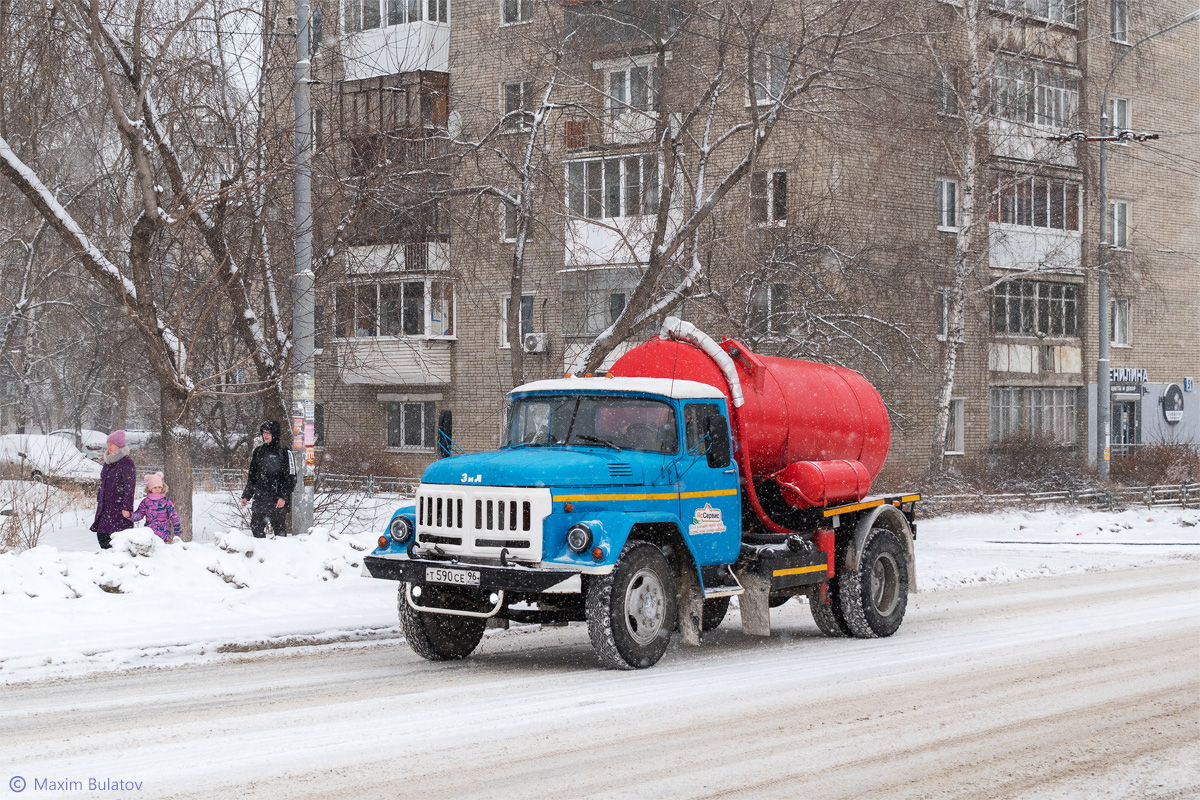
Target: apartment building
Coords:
[[839, 241]]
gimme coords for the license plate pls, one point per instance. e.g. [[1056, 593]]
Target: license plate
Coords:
[[458, 577]]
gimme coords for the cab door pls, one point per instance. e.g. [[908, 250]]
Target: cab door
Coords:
[[710, 511]]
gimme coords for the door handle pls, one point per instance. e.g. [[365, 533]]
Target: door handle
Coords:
[[731, 471]]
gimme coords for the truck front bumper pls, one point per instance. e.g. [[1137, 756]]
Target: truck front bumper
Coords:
[[487, 578]]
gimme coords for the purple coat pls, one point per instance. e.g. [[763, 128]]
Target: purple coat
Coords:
[[117, 482]]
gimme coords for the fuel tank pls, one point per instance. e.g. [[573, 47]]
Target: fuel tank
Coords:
[[804, 425]]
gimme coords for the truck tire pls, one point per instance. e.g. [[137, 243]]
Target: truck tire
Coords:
[[439, 637], [828, 616], [714, 613], [631, 611], [875, 596]]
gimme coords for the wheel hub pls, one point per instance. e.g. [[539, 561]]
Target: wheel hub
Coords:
[[884, 584], [645, 607]]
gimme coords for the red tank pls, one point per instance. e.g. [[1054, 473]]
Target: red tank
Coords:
[[821, 432]]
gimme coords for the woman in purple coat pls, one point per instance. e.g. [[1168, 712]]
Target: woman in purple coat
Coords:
[[118, 478]]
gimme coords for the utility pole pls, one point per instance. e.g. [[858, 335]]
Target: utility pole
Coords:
[[303, 398]]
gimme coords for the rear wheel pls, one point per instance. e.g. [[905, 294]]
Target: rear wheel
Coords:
[[631, 611], [875, 596], [828, 616], [440, 637]]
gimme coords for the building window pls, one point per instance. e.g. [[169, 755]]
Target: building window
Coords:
[[439, 11], [769, 307], [1061, 11], [1046, 412], [632, 89], [422, 308], [318, 425], [946, 93], [955, 428], [770, 74], [1035, 202], [1118, 116], [515, 11], [526, 318], [1118, 223], [768, 198], [947, 204], [1118, 322], [592, 299], [1118, 17], [1035, 308], [1034, 95], [509, 214], [613, 187], [515, 100], [411, 425], [362, 15]]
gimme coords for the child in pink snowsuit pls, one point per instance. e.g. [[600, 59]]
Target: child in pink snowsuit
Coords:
[[157, 509]]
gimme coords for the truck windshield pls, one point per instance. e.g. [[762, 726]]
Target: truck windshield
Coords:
[[624, 423]]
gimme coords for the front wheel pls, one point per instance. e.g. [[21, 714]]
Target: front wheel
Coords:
[[631, 611], [439, 637], [875, 596]]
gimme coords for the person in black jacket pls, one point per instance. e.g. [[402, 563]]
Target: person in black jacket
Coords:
[[270, 483]]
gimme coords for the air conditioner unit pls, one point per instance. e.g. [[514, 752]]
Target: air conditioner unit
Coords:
[[534, 343]]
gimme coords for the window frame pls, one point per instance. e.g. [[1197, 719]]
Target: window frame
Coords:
[[400, 281], [426, 424], [943, 186], [1113, 127], [1120, 322], [1013, 197], [1034, 300], [522, 120], [618, 108], [956, 427], [1118, 8], [770, 198], [593, 297], [1033, 409], [1117, 209], [765, 315], [524, 12], [504, 302], [941, 301], [602, 192]]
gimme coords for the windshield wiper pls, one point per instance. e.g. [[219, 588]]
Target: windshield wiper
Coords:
[[597, 440]]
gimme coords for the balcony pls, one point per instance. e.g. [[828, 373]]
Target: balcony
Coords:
[[397, 48], [1021, 141], [1025, 248], [1034, 359], [394, 361], [413, 257]]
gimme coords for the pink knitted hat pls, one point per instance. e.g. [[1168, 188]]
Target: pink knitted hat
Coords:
[[117, 438], [154, 482]]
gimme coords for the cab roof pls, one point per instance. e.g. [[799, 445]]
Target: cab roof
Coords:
[[667, 387]]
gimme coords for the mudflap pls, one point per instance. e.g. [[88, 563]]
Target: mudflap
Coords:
[[755, 602], [690, 602]]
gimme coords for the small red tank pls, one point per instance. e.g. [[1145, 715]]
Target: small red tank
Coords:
[[821, 432]]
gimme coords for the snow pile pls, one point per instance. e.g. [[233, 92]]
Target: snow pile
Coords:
[[62, 607]]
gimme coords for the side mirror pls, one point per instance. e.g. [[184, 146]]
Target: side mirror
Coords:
[[719, 449]]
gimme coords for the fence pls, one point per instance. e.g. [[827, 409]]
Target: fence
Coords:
[[232, 480], [1182, 496]]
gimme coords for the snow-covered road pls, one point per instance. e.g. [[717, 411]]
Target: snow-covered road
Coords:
[[1080, 685]]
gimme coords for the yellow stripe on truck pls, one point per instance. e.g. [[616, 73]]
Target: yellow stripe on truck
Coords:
[[585, 498], [800, 570], [833, 512]]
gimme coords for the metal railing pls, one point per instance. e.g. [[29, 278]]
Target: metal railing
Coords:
[[1186, 495]]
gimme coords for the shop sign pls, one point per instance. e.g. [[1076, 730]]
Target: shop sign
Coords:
[[1172, 404], [1128, 375]]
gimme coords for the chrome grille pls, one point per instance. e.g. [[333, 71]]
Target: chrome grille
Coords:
[[482, 521]]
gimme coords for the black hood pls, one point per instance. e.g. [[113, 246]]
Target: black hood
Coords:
[[272, 426]]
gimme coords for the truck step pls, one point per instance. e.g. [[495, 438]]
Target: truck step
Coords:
[[720, 582]]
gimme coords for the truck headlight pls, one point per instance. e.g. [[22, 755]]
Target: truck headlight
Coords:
[[579, 537], [400, 530]]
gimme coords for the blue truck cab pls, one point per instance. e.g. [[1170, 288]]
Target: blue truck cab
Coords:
[[615, 501]]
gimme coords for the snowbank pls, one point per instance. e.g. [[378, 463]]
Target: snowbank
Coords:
[[67, 607], [71, 608]]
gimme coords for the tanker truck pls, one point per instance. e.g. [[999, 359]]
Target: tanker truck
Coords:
[[642, 501]]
